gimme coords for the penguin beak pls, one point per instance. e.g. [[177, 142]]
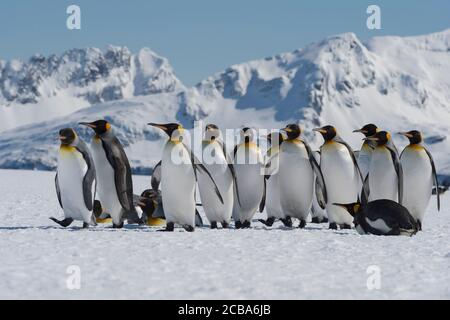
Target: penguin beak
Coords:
[[406, 134], [321, 130], [371, 139], [88, 124], [360, 131], [160, 126]]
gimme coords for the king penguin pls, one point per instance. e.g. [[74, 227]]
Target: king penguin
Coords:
[[249, 167], [218, 162], [75, 180], [115, 185], [273, 204], [419, 175], [342, 176], [385, 178], [381, 218], [298, 168], [365, 154], [179, 169]]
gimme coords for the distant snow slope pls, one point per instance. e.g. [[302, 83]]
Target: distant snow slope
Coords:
[[261, 263], [48, 87], [397, 83]]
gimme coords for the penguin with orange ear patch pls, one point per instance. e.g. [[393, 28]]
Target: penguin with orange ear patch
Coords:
[[419, 176]]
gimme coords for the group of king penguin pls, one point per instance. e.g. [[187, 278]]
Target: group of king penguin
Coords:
[[375, 190]]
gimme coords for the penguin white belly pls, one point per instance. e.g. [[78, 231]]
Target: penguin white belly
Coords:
[[417, 181], [365, 155], [296, 179], [178, 184], [71, 171], [250, 180], [382, 176], [106, 185], [215, 210], [341, 179]]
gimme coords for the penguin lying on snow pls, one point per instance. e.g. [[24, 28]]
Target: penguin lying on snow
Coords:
[[75, 180], [419, 175], [179, 178], [381, 217], [115, 185]]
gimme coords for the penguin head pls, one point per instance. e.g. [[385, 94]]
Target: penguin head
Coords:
[[275, 138], [247, 135], [147, 201], [327, 132], [100, 127], [414, 136], [292, 131], [173, 130], [381, 138], [352, 208], [368, 130], [67, 136], [212, 132]]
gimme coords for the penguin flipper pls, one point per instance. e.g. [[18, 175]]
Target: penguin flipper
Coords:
[[122, 173], [231, 168], [365, 191], [321, 189], [58, 190], [197, 165], [63, 223], [263, 200], [435, 178], [156, 176], [399, 170], [89, 180]]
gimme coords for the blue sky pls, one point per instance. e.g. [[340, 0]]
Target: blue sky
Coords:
[[201, 37]]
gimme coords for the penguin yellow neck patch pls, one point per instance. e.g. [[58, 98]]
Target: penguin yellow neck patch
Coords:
[[415, 147], [68, 149]]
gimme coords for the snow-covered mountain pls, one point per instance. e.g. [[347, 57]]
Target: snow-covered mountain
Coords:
[[397, 83], [48, 87]]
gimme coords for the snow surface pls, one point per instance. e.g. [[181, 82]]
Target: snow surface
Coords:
[[261, 263]]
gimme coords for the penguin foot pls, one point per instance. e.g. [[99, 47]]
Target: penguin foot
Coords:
[[213, 225], [324, 220], [246, 224], [419, 225], [189, 228], [302, 224], [315, 220], [333, 226], [287, 222], [238, 225], [345, 226], [85, 225], [117, 226], [170, 226], [269, 222], [63, 223], [225, 225]]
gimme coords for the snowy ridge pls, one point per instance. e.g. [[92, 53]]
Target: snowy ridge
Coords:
[[47, 87], [397, 83]]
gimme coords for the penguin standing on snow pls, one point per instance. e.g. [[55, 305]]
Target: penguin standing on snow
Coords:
[[298, 168], [179, 179], [381, 217], [218, 163], [75, 180], [342, 176], [365, 154], [385, 178], [115, 186], [273, 204], [419, 175], [249, 167]]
